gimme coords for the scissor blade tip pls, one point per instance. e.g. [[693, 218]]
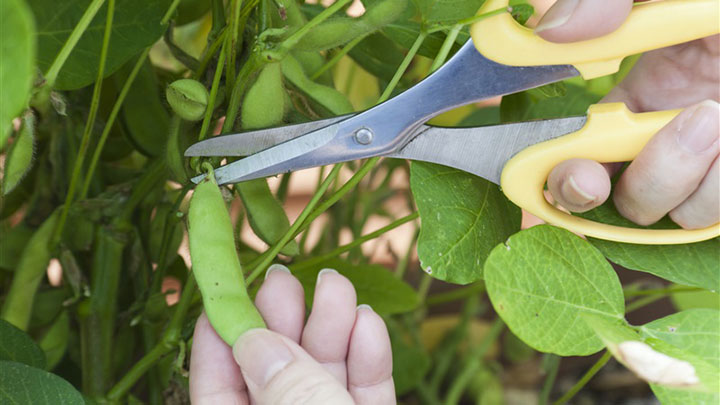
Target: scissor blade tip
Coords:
[[198, 179], [193, 151]]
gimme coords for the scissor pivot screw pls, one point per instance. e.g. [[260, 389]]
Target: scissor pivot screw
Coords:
[[364, 136]]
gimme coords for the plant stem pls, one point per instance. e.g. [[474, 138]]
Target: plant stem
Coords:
[[170, 12], [296, 36], [455, 294], [552, 363], [235, 6], [336, 58], [446, 47], [402, 68], [52, 73], [469, 20], [661, 291], [357, 242], [639, 303], [473, 364], [585, 378], [213, 93], [110, 121], [118, 104], [339, 193], [89, 124], [269, 256], [168, 343]]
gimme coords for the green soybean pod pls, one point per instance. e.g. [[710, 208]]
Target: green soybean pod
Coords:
[[326, 96], [266, 216], [383, 13], [264, 104], [216, 265], [30, 271], [19, 159], [332, 33]]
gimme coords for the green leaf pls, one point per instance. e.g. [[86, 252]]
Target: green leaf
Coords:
[[521, 11], [463, 217], [136, 25], [410, 363], [404, 33], [694, 264], [535, 104], [19, 159], [690, 336], [447, 10], [675, 396], [375, 285], [143, 115], [696, 331], [378, 55], [542, 281], [17, 67], [17, 346], [22, 384]]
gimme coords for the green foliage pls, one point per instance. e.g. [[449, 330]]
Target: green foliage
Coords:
[[374, 285], [463, 217], [17, 346], [543, 280], [136, 25], [96, 178], [20, 383], [19, 156], [693, 264], [17, 45]]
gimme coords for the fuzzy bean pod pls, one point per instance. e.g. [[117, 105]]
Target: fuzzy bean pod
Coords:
[[265, 213], [216, 265], [326, 96], [264, 104], [340, 30], [28, 275]]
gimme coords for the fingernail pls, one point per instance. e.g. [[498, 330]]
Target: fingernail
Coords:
[[364, 306], [322, 273], [572, 191], [261, 355], [557, 15], [276, 267], [696, 132]]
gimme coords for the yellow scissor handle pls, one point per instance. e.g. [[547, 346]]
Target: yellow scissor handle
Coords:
[[611, 134], [651, 25]]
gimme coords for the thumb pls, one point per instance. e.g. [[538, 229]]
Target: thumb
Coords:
[[278, 371], [578, 20]]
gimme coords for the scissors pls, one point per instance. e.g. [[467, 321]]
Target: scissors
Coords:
[[503, 57]]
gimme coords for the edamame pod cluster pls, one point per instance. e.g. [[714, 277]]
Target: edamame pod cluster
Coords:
[[216, 264]]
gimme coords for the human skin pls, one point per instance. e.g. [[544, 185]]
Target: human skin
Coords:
[[341, 355], [678, 171]]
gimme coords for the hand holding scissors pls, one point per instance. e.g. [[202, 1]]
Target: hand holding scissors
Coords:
[[503, 58]]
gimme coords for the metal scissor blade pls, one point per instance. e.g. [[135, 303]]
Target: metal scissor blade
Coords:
[[247, 143], [277, 159], [483, 151]]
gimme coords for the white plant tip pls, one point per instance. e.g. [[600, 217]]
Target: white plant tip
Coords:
[[655, 367]]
